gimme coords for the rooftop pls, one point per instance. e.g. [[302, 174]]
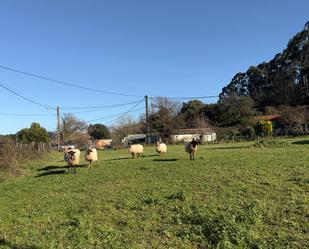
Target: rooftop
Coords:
[[194, 131], [268, 117]]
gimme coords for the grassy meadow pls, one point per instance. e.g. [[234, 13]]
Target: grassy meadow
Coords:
[[233, 196]]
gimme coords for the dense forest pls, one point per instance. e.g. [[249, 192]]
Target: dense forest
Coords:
[[282, 81]]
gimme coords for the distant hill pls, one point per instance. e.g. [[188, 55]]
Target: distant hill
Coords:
[[282, 81]]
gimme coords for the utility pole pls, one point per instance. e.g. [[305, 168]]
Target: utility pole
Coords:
[[58, 128], [147, 118]]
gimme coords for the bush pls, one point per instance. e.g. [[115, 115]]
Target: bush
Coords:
[[14, 158]]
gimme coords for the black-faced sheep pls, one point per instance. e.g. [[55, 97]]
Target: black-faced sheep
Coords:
[[191, 148], [73, 157]]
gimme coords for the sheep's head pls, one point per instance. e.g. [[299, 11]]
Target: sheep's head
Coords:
[[71, 155], [194, 143], [89, 150]]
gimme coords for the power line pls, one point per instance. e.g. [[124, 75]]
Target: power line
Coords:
[[26, 114], [120, 114], [110, 116], [99, 106], [114, 115], [67, 83], [25, 98], [113, 120], [197, 97]]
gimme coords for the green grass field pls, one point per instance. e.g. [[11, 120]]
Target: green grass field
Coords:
[[232, 196]]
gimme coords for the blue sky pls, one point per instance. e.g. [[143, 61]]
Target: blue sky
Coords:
[[169, 48]]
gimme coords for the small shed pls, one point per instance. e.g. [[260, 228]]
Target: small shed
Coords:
[[186, 135], [103, 143], [139, 138], [276, 121]]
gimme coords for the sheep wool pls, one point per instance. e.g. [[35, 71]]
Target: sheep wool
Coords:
[[136, 149], [73, 159], [91, 155], [191, 148], [161, 148]]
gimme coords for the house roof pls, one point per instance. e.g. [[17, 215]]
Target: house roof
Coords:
[[194, 131], [268, 117]]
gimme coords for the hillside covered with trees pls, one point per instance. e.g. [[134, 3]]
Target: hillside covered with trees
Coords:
[[282, 81]]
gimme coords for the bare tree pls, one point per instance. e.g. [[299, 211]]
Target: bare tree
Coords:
[[294, 117], [164, 118], [127, 125], [70, 125]]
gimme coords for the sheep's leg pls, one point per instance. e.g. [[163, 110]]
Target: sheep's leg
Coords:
[[193, 156], [132, 155], [190, 156]]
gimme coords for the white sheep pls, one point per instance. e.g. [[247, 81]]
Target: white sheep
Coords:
[[91, 155], [191, 148], [136, 149], [161, 148], [73, 158]]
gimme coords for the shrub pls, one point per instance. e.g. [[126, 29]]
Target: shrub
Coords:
[[14, 158]]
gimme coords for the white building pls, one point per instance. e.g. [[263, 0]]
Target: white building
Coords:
[[186, 135]]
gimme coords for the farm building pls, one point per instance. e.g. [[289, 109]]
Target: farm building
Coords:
[[103, 143], [277, 125], [185, 135], [139, 138]]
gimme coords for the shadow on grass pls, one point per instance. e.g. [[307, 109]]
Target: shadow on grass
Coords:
[[52, 167], [130, 157], [4, 242], [120, 158], [228, 148], [49, 170], [302, 142], [150, 155], [165, 160], [54, 172]]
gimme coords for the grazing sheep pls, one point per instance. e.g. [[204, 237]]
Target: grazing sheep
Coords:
[[66, 149], [161, 148], [136, 149], [66, 154], [73, 160], [91, 155], [191, 148]]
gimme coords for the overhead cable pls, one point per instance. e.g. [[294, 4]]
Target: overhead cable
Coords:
[[24, 98], [67, 83]]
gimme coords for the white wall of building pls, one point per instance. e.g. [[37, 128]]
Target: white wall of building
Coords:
[[189, 137]]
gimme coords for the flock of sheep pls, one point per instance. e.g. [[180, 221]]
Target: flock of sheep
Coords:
[[72, 156]]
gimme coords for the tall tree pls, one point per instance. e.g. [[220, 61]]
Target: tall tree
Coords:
[[282, 81], [98, 131], [164, 118], [71, 125], [35, 134], [235, 110], [193, 114]]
